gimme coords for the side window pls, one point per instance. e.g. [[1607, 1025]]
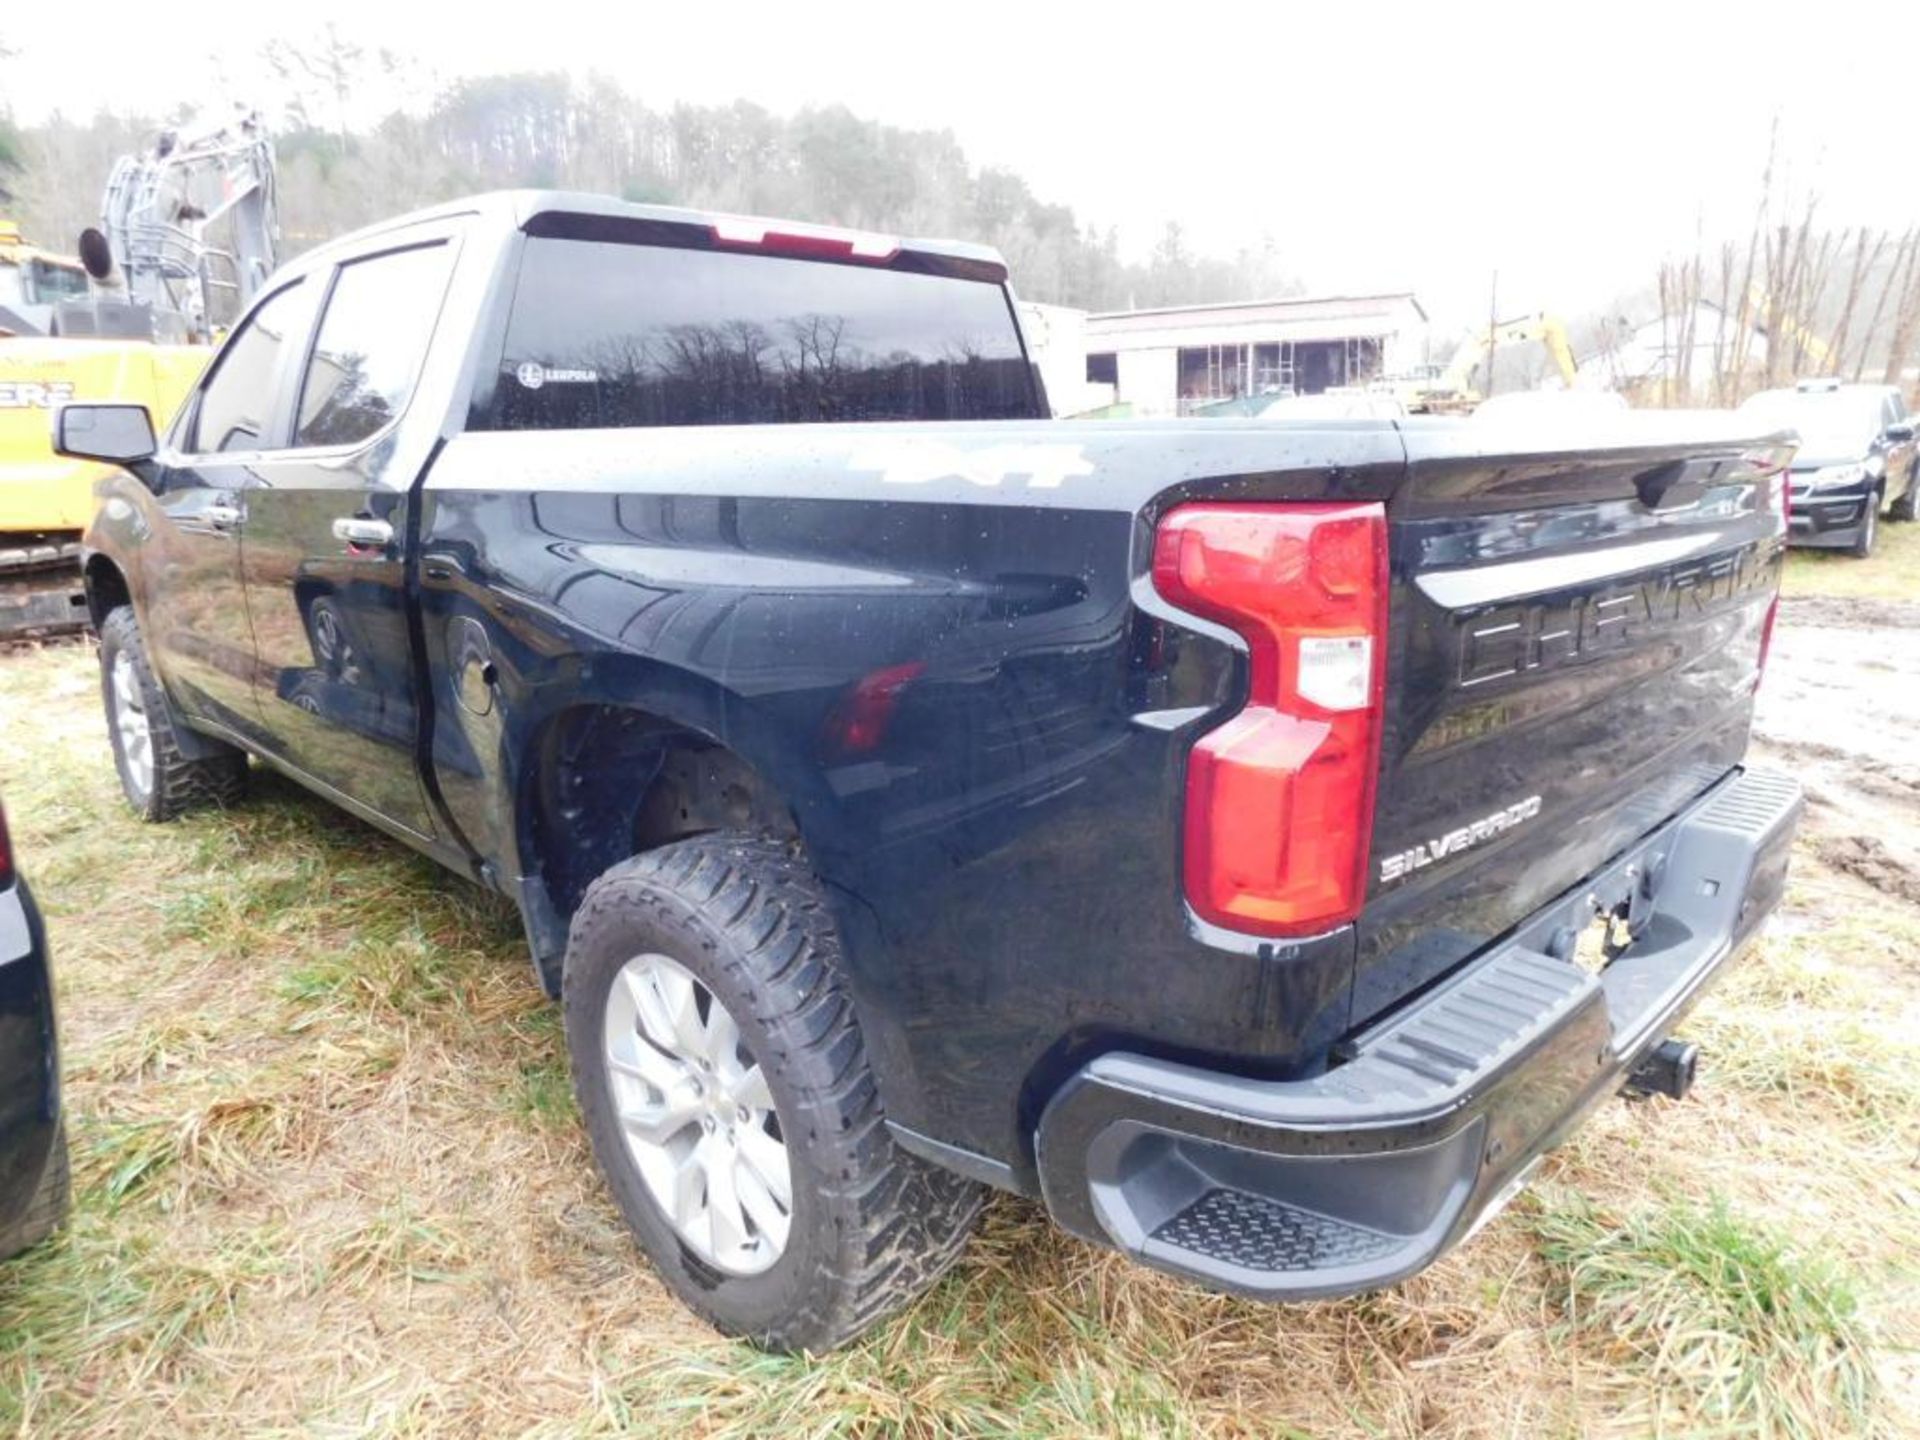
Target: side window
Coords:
[[372, 339], [57, 282], [234, 402]]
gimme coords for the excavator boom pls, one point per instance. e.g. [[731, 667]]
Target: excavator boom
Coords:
[[162, 210], [1456, 392]]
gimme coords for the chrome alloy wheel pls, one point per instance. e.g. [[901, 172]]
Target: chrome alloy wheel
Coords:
[[697, 1115], [130, 723]]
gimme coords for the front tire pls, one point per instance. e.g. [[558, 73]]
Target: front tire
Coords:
[[159, 781], [725, 1087], [47, 1208], [1869, 529]]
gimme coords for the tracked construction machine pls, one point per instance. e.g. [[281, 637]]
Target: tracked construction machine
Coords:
[[188, 233]]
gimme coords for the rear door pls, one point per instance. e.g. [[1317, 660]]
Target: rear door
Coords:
[[326, 534], [1574, 644]]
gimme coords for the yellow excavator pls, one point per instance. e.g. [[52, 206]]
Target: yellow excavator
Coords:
[[1816, 353], [1454, 391], [187, 236]]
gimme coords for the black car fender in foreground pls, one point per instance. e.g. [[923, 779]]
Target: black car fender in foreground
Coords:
[[33, 1150]]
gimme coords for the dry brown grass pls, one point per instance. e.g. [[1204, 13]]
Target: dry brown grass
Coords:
[[330, 1181]]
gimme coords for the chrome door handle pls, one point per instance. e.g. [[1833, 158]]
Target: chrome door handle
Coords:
[[223, 516], [357, 530]]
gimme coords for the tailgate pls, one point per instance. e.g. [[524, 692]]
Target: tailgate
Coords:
[[1575, 638]]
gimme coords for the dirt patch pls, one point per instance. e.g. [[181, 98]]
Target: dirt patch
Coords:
[[1849, 611], [1865, 858], [1840, 709], [1865, 773]]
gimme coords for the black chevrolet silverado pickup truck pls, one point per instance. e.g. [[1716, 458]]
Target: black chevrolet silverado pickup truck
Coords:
[[1193, 825]]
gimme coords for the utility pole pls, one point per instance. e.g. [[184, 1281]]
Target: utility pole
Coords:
[[1493, 328]]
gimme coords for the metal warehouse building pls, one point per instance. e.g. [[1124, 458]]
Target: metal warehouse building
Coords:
[[1163, 362]]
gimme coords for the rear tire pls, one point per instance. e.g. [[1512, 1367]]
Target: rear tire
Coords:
[[750, 950], [159, 781], [1869, 529], [49, 1205]]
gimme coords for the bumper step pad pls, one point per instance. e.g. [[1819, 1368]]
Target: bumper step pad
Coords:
[[1252, 1232], [1359, 1176]]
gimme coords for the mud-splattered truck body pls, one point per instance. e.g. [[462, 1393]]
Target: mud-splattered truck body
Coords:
[[1195, 825]]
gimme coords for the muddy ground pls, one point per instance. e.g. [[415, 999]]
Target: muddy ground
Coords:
[[1840, 707]]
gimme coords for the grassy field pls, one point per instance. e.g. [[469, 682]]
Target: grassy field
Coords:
[[330, 1182], [1892, 574]]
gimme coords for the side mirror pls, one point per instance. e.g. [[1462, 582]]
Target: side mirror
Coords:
[[1900, 431], [117, 434]]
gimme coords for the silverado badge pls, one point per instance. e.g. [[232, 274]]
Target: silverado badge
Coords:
[[1396, 867]]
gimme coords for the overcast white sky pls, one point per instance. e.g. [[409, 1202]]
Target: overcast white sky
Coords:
[[1383, 146]]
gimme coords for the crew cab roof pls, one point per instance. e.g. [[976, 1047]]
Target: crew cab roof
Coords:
[[524, 209]]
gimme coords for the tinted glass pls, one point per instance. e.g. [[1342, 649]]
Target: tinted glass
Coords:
[[372, 339], [612, 334], [233, 406], [56, 282]]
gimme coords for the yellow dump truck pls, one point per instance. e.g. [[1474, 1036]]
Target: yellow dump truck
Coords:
[[46, 500]]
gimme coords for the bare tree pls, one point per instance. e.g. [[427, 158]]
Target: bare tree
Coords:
[[1863, 261], [332, 64], [1902, 258], [1744, 324], [1906, 319], [1775, 295], [1722, 332]]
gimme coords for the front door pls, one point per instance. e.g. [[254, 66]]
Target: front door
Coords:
[[326, 534], [196, 622], [1902, 455]]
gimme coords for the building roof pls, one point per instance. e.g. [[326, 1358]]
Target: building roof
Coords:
[[1295, 303], [1304, 318]]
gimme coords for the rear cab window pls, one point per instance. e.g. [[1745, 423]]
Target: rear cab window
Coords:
[[627, 333]]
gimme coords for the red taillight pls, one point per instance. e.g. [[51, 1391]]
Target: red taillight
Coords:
[[1279, 806], [808, 243]]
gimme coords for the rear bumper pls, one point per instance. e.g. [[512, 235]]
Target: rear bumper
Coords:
[[1354, 1179], [1828, 517]]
